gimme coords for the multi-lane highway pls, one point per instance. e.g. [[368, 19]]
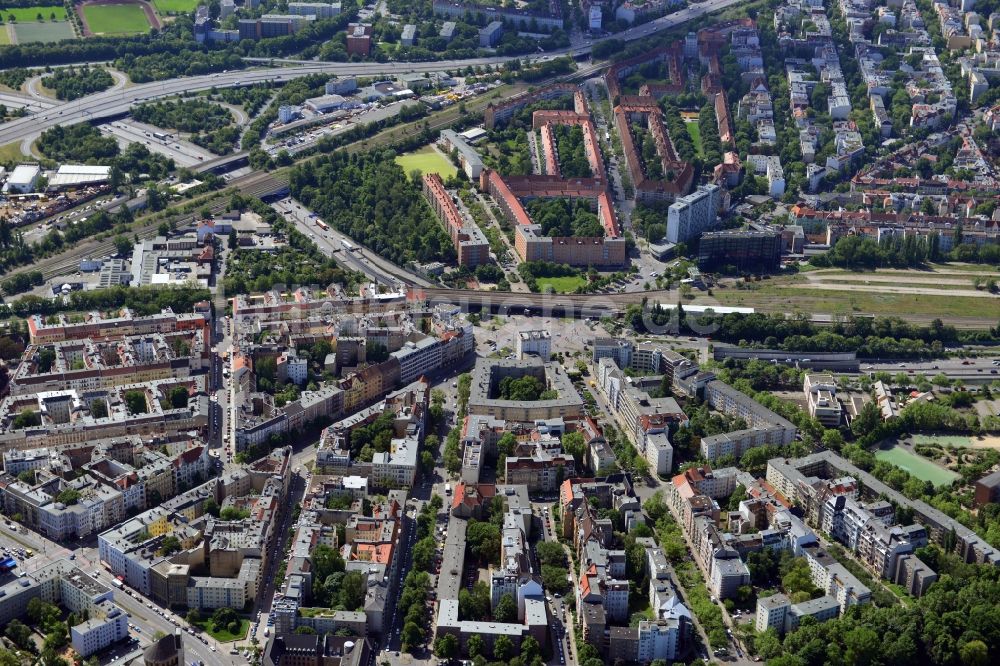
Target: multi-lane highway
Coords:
[[118, 101]]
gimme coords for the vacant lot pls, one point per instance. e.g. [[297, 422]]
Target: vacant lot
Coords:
[[43, 32], [427, 160], [806, 294], [561, 285], [116, 19], [175, 6], [30, 14], [916, 465]]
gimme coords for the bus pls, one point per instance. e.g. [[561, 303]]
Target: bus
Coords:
[[322, 225], [162, 136]]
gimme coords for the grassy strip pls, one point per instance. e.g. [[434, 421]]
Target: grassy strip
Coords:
[[880, 595], [709, 615]]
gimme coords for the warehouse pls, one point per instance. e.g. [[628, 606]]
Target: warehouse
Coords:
[[79, 175]]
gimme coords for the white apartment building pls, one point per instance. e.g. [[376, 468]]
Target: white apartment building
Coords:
[[534, 343], [693, 214]]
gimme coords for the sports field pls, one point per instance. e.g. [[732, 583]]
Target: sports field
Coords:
[[30, 14], [916, 465], [116, 19], [943, 440], [43, 32], [427, 160], [561, 285], [175, 6]]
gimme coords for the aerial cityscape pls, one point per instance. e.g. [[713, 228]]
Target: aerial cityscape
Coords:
[[499, 333]]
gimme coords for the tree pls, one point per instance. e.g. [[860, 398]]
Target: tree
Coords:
[[506, 610], [483, 540], [423, 553], [974, 653], [574, 445], [170, 544], [179, 397], [554, 578], [867, 420], [136, 402], [222, 617], [551, 552], [446, 647], [123, 246], [474, 604], [352, 590], [503, 648], [413, 635], [193, 616], [655, 507], [20, 634], [474, 646], [832, 439]]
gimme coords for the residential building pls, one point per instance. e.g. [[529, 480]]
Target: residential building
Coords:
[[533, 343], [691, 215]]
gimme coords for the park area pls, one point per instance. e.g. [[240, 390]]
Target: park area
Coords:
[[223, 625], [916, 465], [427, 160], [116, 18]]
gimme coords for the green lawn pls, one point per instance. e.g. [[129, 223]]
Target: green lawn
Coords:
[[30, 14], [175, 6], [4, 35], [44, 32], [916, 465], [116, 19], [561, 285], [224, 636], [695, 132], [11, 153], [427, 160]]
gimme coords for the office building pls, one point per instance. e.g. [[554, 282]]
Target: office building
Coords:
[[739, 251]]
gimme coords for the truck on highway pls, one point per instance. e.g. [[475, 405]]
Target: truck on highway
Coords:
[[347, 244], [117, 583]]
